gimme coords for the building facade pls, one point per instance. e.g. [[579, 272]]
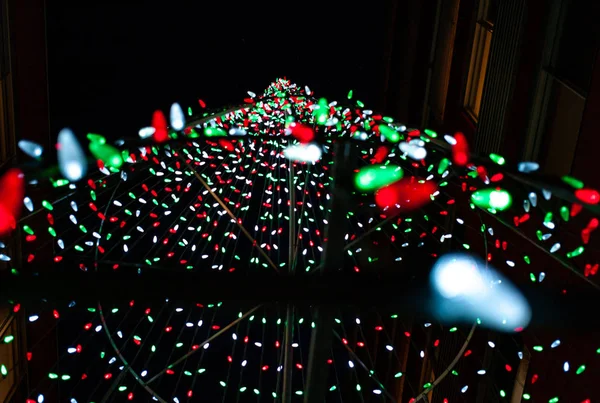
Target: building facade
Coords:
[[519, 78], [23, 114]]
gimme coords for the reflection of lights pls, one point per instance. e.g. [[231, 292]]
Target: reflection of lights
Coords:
[[467, 291]]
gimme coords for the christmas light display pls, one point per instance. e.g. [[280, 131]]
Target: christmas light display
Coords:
[[222, 191]]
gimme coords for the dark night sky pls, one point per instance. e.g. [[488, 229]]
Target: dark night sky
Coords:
[[111, 66]]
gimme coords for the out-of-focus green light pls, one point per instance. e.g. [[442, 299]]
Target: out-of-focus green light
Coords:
[[96, 138], [214, 132], [109, 155], [575, 183], [373, 177], [498, 159], [389, 134], [497, 199], [431, 133]]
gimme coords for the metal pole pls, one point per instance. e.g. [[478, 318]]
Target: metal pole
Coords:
[[292, 232], [286, 392], [333, 259]]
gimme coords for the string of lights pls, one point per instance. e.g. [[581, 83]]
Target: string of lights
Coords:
[[248, 190]]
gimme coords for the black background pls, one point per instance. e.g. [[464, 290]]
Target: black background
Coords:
[[111, 66]]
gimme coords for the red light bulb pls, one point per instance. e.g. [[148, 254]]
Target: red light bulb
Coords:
[[12, 191], [589, 196], [159, 122]]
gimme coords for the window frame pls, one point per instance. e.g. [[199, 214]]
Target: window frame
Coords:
[[11, 324], [479, 56], [547, 78]]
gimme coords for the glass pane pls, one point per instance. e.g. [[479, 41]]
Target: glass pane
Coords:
[[477, 69], [7, 358], [4, 40], [490, 11], [565, 109], [577, 47], [3, 124]]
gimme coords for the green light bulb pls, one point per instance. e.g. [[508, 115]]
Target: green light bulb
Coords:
[[96, 138], [109, 155], [389, 134], [498, 159], [373, 177], [214, 132], [497, 199]]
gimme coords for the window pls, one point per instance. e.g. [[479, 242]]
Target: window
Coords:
[[572, 42], [564, 111], [7, 135], [480, 53], [8, 354], [574, 52]]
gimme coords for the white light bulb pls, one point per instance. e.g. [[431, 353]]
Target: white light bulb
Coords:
[[71, 158], [30, 148], [237, 132], [303, 152], [177, 117], [458, 276], [414, 150], [499, 199], [146, 132], [527, 167], [467, 289], [450, 140]]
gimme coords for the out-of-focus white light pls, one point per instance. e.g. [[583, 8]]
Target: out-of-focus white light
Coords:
[[450, 140], [457, 275], [413, 150], [30, 148], [71, 158], [310, 152], [146, 132], [176, 117], [499, 199], [466, 290], [237, 132], [527, 166]]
